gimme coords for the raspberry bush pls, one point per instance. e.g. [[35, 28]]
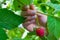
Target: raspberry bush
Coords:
[[29, 19]]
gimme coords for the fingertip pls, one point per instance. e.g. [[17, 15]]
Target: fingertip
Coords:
[[25, 8], [32, 7]]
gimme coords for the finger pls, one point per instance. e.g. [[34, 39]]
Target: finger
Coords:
[[29, 22], [25, 24], [31, 27], [42, 19], [33, 21], [28, 18], [31, 12], [32, 7], [25, 8], [28, 13]]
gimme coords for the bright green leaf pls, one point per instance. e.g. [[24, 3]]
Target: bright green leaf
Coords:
[[51, 37], [54, 26], [19, 3], [55, 1], [55, 6], [3, 35], [9, 20], [18, 32]]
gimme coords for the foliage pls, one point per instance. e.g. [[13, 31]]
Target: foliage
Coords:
[[10, 21]]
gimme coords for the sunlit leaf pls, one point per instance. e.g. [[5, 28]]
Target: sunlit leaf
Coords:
[[54, 26], [19, 3]]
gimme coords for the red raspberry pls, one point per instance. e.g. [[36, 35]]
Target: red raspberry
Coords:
[[40, 31]]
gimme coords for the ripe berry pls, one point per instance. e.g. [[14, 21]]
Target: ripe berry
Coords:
[[40, 31]]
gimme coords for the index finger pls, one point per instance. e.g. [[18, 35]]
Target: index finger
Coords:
[[28, 13]]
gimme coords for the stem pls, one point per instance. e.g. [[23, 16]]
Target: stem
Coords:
[[37, 20], [44, 38], [47, 15]]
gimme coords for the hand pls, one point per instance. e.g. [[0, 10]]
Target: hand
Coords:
[[30, 22]]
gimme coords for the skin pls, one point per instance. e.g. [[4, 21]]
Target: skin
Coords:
[[30, 22]]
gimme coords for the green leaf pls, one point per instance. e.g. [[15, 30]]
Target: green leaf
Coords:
[[35, 2], [49, 7], [0, 6], [54, 26], [51, 37], [55, 1], [57, 12], [9, 20], [18, 32], [17, 38], [30, 37], [32, 33], [51, 10], [38, 2], [41, 1], [19, 3], [43, 7], [54, 6], [3, 35]]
